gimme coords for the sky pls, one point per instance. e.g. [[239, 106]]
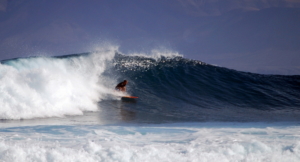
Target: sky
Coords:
[[259, 36]]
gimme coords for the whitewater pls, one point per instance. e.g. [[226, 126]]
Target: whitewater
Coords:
[[65, 108]]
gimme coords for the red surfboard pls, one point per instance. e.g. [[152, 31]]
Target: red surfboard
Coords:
[[129, 97]]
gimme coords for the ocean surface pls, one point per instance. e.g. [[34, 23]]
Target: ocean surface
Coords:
[[65, 108]]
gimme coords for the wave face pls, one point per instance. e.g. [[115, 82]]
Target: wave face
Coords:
[[191, 90], [169, 87]]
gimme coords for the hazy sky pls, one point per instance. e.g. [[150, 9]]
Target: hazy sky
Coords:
[[261, 36]]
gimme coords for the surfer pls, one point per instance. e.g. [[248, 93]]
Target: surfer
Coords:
[[121, 86]]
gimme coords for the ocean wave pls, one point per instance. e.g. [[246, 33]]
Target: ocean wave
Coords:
[[183, 89]]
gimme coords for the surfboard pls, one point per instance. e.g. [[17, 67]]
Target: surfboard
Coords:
[[131, 99]]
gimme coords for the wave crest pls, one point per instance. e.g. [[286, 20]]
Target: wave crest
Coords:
[[51, 86]]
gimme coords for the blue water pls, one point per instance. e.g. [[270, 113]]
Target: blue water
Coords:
[[189, 90], [66, 109]]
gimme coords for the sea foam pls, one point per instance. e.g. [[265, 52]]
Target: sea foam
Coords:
[[150, 143]]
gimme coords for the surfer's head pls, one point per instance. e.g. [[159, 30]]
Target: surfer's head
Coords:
[[125, 82]]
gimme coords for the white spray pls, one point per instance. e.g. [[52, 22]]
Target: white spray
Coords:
[[52, 87]]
